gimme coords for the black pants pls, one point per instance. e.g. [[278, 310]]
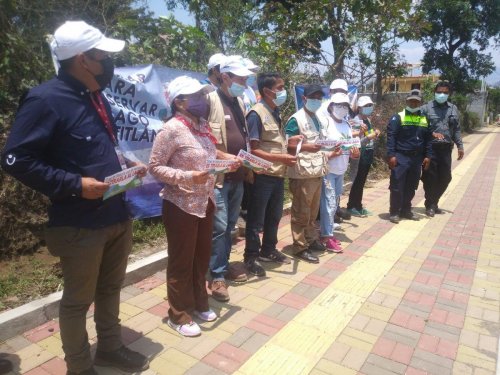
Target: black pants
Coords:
[[358, 185], [437, 178], [404, 182]]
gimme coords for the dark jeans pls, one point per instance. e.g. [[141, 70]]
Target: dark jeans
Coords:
[[356, 193], [404, 182], [265, 209], [437, 178]]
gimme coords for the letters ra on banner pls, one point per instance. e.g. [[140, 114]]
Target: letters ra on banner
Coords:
[[138, 107]]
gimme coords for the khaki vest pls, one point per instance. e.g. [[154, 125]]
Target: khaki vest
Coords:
[[271, 139], [217, 122], [309, 164]]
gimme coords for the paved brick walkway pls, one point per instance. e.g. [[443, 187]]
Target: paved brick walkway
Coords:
[[418, 297]]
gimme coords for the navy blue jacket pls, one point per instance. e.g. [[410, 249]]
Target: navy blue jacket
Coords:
[[57, 138], [408, 138]]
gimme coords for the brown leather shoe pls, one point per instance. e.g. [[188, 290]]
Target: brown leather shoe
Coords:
[[236, 272], [219, 291]]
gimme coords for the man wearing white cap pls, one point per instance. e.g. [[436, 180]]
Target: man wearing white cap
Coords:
[[63, 144], [213, 66], [228, 124]]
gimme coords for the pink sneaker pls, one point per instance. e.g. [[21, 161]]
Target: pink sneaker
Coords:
[[333, 245]]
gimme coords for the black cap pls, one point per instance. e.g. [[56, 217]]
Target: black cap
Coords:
[[312, 89]]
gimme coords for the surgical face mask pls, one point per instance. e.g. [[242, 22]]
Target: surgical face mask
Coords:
[[198, 106], [340, 111], [412, 110], [108, 70], [251, 81], [312, 105], [367, 111], [236, 89], [280, 98], [441, 97]]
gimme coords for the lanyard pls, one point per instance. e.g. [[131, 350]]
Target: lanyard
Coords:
[[195, 131], [96, 100]]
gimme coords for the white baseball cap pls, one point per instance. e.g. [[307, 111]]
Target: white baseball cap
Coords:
[[185, 85], [75, 37], [234, 64], [339, 98], [249, 64], [217, 59], [364, 100], [339, 84]]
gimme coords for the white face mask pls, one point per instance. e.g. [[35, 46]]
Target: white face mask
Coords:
[[340, 111]]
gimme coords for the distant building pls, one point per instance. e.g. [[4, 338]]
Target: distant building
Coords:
[[407, 83]]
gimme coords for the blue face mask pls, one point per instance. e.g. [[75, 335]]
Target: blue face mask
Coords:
[[280, 98], [412, 110], [251, 81], [312, 105], [236, 89], [441, 97], [367, 111]]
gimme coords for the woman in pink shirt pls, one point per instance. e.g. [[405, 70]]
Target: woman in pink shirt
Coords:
[[178, 159]]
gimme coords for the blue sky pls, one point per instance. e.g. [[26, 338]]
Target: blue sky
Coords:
[[413, 51]]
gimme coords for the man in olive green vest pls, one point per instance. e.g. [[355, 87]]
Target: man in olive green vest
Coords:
[[267, 141]]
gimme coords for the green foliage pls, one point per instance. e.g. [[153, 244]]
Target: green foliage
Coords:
[[147, 231], [470, 121], [459, 32], [164, 41], [494, 101]]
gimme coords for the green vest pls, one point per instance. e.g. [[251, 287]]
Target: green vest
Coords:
[[412, 120]]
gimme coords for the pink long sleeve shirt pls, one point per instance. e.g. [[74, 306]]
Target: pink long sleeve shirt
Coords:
[[177, 151]]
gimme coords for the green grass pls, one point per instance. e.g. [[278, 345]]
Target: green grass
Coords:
[[26, 279], [147, 232]]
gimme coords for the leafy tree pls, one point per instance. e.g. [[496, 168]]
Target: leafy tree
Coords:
[[494, 100], [223, 22], [459, 33]]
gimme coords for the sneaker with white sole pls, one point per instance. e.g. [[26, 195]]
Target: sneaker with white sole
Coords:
[[190, 329], [333, 245], [207, 316]]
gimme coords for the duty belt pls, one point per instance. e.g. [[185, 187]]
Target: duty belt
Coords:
[[410, 152]]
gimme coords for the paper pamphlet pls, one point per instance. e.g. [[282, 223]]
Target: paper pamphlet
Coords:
[[217, 166], [345, 143], [254, 162], [122, 181]]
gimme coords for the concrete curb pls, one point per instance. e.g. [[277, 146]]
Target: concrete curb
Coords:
[[23, 318]]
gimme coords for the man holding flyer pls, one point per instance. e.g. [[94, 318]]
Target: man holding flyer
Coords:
[[63, 144], [306, 177], [228, 125], [265, 205]]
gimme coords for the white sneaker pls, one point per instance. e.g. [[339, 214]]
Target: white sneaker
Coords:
[[207, 316], [336, 226], [190, 329]]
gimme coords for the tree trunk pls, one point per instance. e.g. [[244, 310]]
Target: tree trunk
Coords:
[[378, 70]]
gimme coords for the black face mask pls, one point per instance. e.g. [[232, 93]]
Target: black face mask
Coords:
[[108, 70]]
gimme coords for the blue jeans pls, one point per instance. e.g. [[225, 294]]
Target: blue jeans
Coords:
[[331, 190], [265, 208], [228, 201]]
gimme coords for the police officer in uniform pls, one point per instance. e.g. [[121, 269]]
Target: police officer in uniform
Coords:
[[408, 149], [443, 120]]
